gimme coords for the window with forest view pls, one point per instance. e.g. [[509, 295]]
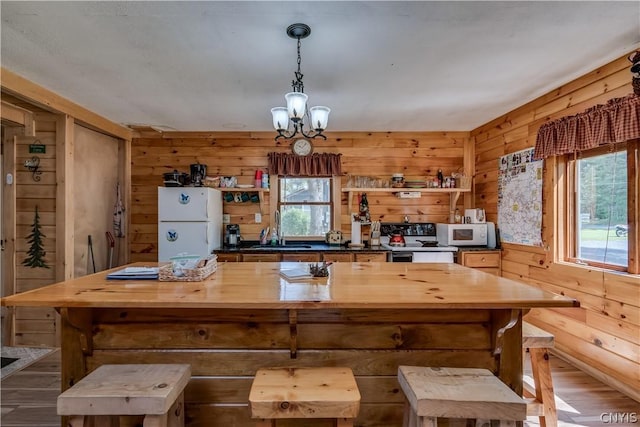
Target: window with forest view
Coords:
[[600, 209], [305, 207]]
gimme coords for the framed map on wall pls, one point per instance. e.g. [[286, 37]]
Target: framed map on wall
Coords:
[[520, 198]]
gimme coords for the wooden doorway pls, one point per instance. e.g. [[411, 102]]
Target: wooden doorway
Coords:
[[8, 228]]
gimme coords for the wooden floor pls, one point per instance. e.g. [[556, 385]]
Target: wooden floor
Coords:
[[29, 397]]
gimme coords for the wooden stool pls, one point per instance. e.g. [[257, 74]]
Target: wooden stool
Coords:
[[457, 393], [541, 400], [304, 393], [155, 391]]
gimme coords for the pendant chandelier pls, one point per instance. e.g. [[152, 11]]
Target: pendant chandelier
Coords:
[[296, 110]]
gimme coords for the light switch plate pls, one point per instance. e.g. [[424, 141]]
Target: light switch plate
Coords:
[[226, 218], [258, 218]]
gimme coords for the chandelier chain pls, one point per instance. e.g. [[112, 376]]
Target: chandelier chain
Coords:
[[297, 84]]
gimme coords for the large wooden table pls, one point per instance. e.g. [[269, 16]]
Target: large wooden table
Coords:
[[371, 317]]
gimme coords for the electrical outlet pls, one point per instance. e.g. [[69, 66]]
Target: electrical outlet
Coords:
[[226, 218], [258, 218]]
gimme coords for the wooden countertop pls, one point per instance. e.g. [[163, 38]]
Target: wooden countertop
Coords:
[[260, 286]]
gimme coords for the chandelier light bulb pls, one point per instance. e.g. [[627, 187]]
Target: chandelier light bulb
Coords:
[[280, 118], [319, 118], [296, 105]]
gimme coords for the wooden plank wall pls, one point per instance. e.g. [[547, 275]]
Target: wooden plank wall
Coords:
[[603, 336], [29, 111], [36, 326], [417, 155]]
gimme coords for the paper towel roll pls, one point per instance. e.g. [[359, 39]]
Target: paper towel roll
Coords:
[[355, 233]]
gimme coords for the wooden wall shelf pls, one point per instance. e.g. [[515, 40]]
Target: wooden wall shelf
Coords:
[[258, 190], [454, 194]]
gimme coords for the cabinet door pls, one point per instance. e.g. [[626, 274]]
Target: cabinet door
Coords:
[[228, 257], [308, 257], [337, 257], [371, 257], [261, 257]]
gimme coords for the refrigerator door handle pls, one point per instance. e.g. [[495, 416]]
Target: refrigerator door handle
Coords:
[[207, 237]]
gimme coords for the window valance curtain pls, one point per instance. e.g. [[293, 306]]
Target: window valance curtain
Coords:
[[317, 164], [616, 121]]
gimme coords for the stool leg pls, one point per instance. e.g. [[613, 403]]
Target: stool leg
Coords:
[[344, 422], [406, 417], [265, 423], [541, 371], [427, 422], [106, 421], [173, 418], [77, 421], [155, 420]]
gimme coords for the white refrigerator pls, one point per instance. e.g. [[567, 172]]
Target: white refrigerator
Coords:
[[189, 221]]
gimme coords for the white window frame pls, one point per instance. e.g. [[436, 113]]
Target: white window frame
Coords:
[[336, 203]]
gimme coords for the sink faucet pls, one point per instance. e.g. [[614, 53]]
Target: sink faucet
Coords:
[[279, 228]]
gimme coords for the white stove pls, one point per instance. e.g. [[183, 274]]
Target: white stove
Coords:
[[420, 243], [418, 247]]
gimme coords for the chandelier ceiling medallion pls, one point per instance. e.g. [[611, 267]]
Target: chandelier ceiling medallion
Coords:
[[296, 108]]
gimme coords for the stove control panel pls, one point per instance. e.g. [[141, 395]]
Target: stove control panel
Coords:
[[408, 228]]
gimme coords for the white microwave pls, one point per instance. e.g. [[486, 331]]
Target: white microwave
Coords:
[[464, 234]]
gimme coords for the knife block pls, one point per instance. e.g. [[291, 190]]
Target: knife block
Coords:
[[375, 239]]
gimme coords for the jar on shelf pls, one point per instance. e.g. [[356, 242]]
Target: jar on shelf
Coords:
[[457, 217]]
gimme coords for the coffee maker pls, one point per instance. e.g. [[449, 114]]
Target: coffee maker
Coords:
[[198, 173], [232, 237]]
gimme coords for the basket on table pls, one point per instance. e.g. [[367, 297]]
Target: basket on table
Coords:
[[206, 267]]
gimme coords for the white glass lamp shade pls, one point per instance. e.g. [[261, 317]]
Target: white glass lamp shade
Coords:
[[319, 117], [280, 118], [296, 104]]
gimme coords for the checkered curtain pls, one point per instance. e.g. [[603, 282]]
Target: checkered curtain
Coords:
[[616, 121], [317, 164]]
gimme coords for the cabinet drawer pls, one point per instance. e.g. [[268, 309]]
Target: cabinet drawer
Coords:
[[481, 259], [336, 257], [373, 257], [313, 257], [261, 257], [228, 257]]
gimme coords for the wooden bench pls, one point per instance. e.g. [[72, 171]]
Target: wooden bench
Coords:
[[304, 393], [466, 393], [541, 399], [154, 391]]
